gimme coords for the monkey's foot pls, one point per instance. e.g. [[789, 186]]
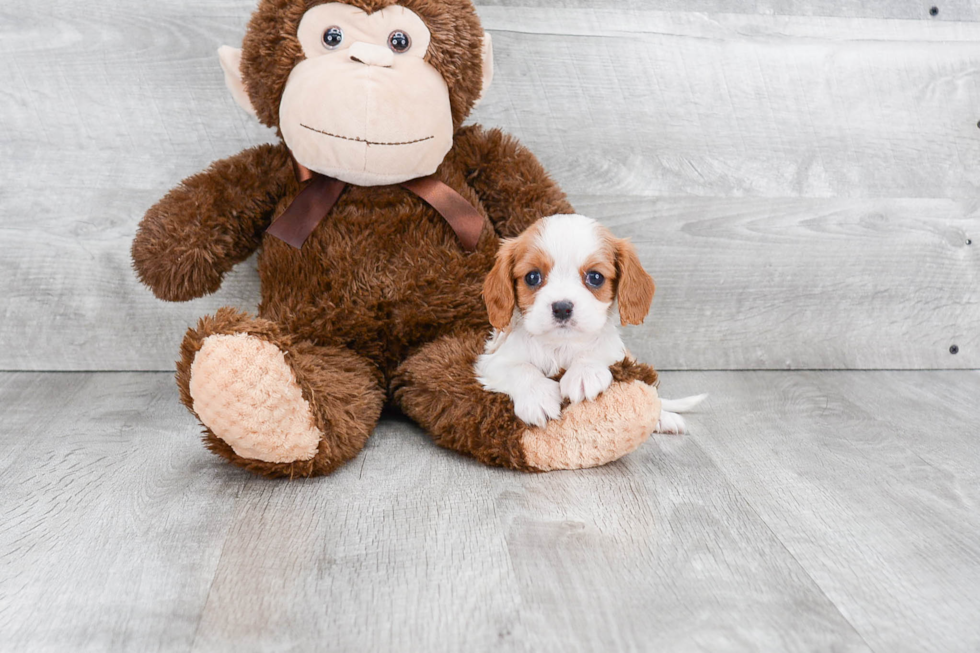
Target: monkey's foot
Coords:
[[596, 432], [246, 393], [275, 405]]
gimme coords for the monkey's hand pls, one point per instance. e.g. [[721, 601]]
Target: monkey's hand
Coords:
[[210, 222]]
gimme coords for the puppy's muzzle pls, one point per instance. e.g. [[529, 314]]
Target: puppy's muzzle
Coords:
[[562, 311]]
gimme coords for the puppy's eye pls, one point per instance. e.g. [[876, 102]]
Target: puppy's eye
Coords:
[[333, 37], [533, 278], [594, 279], [399, 41]]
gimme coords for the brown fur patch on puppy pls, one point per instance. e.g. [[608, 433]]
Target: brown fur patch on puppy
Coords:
[[603, 262], [504, 288], [635, 287], [529, 256], [498, 288]]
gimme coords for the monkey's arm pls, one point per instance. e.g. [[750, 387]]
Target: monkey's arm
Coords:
[[512, 184], [210, 222]]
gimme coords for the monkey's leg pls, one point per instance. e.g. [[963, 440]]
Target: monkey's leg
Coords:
[[437, 388], [274, 405]]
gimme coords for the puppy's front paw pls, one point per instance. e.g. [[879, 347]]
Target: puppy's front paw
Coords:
[[539, 404], [583, 382]]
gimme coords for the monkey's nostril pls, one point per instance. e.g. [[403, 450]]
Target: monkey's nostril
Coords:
[[371, 55], [562, 311]]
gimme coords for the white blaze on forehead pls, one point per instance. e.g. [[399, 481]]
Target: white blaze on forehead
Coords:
[[571, 240]]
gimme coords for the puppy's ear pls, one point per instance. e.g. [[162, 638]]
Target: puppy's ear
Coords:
[[498, 289], [635, 288]]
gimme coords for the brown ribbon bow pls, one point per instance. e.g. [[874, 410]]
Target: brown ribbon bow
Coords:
[[320, 195]]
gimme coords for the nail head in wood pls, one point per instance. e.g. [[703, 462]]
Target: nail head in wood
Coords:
[[954, 349], [934, 11]]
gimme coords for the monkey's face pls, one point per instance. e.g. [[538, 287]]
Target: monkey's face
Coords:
[[364, 106], [362, 90]]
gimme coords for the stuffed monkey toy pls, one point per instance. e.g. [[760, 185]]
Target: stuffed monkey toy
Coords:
[[377, 216]]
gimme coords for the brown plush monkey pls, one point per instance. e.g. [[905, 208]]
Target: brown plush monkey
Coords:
[[377, 300]]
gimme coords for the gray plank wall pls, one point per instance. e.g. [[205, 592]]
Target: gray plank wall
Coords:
[[801, 177]]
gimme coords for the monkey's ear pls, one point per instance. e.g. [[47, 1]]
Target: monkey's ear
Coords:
[[231, 63], [487, 53]]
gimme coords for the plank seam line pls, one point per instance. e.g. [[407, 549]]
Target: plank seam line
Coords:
[[217, 566], [751, 507]]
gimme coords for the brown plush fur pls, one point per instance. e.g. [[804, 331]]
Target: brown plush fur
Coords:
[[382, 290], [437, 387], [344, 392], [210, 222], [271, 50]]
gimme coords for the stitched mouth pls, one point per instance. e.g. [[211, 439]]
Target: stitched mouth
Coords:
[[364, 140]]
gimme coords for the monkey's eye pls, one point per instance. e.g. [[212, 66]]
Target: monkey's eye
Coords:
[[594, 279], [333, 37], [399, 41], [533, 278]]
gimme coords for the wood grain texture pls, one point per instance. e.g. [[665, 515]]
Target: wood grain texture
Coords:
[[870, 481], [804, 284], [112, 520], [839, 111], [424, 550], [807, 511], [659, 103], [956, 10], [126, 535], [741, 283]]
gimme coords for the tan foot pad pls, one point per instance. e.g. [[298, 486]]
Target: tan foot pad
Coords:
[[246, 393], [594, 433]]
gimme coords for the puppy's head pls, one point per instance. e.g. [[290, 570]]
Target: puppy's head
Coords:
[[562, 276]]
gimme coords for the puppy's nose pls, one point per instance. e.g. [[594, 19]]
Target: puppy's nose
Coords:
[[562, 311]]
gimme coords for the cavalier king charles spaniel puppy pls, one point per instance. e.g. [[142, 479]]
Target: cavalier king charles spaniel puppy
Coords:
[[550, 297]]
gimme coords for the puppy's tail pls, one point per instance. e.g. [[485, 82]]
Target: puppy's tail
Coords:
[[670, 419], [684, 405]]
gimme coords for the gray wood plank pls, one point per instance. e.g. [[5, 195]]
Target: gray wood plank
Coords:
[[805, 284], [415, 548], [807, 511], [675, 103], [107, 107], [894, 9], [870, 481], [660, 103], [742, 283], [112, 519], [658, 552], [399, 550]]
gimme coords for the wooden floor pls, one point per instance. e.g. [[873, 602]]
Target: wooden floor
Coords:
[[806, 511], [801, 177]]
